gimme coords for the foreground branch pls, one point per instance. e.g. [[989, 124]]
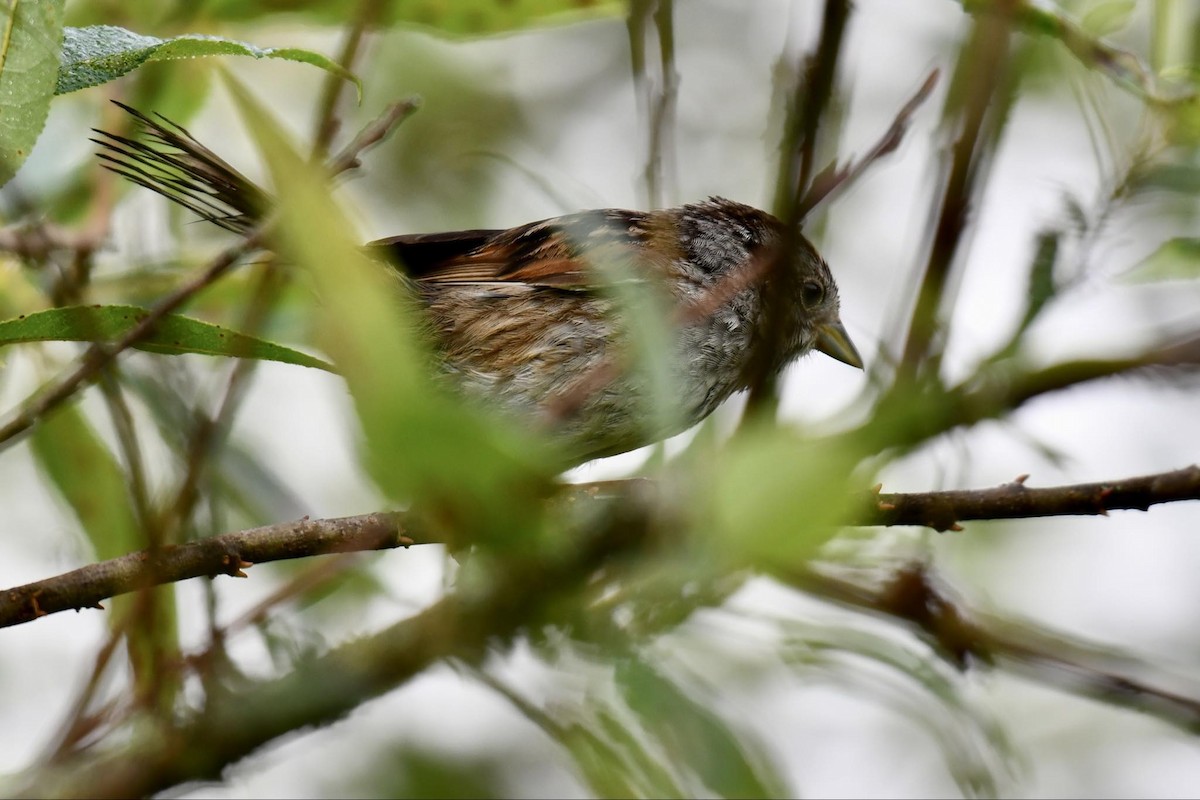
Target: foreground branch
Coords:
[[465, 625], [231, 553]]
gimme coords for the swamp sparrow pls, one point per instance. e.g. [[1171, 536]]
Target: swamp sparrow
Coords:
[[524, 317]]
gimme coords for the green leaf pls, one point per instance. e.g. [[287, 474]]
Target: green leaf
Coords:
[[90, 480], [458, 17], [777, 498], [473, 472], [29, 35], [1180, 178], [173, 335], [1108, 17], [1176, 260], [101, 53], [1041, 278], [693, 735], [1042, 286]]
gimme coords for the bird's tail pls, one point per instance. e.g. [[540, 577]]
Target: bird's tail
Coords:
[[171, 162]]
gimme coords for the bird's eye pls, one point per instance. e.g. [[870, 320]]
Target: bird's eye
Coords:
[[812, 293]]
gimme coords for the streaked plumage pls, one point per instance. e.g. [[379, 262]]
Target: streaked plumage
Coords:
[[520, 315]]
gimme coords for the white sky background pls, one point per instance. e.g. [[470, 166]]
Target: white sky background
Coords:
[[1127, 580]]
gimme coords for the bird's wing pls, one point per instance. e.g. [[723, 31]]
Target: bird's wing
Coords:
[[562, 253]]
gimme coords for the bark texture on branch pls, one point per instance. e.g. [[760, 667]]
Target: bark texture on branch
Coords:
[[942, 511], [230, 553]]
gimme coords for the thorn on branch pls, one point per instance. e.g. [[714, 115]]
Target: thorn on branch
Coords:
[[234, 566]]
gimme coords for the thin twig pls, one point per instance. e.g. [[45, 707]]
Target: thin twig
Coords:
[[833, 178], [982, 69], [335, 86], [374, 133], [656, 102], [210, 432], [814, 90], [100, 355]]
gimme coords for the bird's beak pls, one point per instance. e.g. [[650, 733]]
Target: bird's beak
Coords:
[[833, 341]]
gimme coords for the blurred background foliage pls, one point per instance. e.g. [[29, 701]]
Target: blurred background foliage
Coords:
[[711, 663]]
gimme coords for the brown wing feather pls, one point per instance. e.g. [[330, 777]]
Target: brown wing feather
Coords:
[[423, 255], [554, 253]]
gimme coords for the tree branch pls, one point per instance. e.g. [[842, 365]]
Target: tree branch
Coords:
[[913, 413], [235, 722], [228, 554], [943, 511], [231, 553]]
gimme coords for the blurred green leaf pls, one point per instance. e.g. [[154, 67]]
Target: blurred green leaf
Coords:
[[458, 17], [101, 53], [89, 479], [694, 735], [1177, 259], [600, 765], [173, 335], [408, 771], [612, 759], [927, 692], [241, 483], [777, 497], [1121, 66], [1041, 276], [30, 32], [1182, 178], [644, 317], [473, 472], [1042, 287], [1108, 17]]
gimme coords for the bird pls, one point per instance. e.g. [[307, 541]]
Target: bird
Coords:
[[526, 319]]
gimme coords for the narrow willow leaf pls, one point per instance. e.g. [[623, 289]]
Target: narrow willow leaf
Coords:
[[777, 498], [173, 335], [1041, 278], [89, 479], [1179, 178], [1108, 17], [1176, 260], [693, 735], [30, 31], [460, 17], [101, 53], [421, 442]]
